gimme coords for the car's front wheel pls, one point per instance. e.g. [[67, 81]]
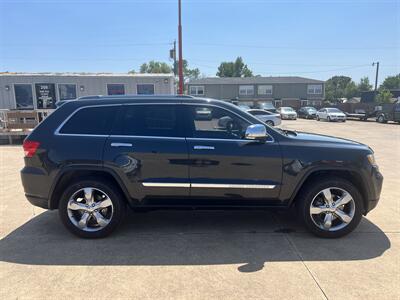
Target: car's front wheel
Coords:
[[318, 118], [91, 208], [270, 123], [330, 207]]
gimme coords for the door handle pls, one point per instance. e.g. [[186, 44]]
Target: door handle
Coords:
[[121, 145], [199, 147]]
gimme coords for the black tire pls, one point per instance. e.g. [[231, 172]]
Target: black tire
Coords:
[[118, 209], [270, 123], [312, 189], [328, 118], [318, 118], [381, 119]]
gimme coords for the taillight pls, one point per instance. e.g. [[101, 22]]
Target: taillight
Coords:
[[30, 148]]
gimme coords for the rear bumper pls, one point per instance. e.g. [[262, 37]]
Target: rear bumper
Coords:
[[36, 201], [36, 186]]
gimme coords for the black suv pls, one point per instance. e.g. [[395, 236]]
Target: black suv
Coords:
[[91, 158]]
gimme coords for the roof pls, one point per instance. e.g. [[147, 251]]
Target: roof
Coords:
[[254, 80], [139, 99], [83, 74]]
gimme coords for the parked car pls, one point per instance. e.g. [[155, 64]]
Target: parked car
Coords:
[[331, 114], [154, 152], [268, 106], [389, 112], [287, 113], [307, 112], [244, 107], [266, 116]]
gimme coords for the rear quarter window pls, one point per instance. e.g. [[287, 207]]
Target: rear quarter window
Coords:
[[91, 120]]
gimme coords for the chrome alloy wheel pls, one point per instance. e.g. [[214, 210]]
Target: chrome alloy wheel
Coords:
[[332, 209], [90, 209]]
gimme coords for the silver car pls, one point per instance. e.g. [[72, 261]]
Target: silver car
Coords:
[[287, 113], [266, 116], [331, 114]]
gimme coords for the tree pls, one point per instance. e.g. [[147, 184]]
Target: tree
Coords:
[[335, 87], [384, 96], [391, 82], [155, 67], [351, 90], [364, 85], [187, 73], [234, 69]]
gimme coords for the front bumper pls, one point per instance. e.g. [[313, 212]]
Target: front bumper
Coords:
[[288, 117], [375, 183]]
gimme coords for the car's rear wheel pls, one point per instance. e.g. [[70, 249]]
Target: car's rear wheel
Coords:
[[381, 119], [331, 207], [91, 208]]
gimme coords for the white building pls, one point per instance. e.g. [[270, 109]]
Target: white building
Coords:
[[43, 90]]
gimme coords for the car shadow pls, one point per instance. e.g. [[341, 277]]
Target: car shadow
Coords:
[[249, 238]]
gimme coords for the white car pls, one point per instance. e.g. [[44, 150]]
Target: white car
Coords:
[[266, 116], [287, 113], [331, 114]]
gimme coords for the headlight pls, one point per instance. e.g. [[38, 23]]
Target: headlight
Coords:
[[371, 159]]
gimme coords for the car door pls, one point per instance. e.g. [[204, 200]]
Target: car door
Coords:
[[225, 165], [148, 151], [322, 114]]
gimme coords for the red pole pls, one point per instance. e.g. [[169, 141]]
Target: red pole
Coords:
[[180, 64]]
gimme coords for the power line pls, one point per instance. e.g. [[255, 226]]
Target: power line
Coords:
[[290, 47]]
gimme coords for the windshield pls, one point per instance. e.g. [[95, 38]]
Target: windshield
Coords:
[[310, 109], [334, 110], [244, 107], [287, 109]]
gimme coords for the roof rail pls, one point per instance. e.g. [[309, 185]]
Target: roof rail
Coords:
[[94, 97]]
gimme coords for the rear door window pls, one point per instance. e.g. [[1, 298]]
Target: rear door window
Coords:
[[91, 120], [149, 120]]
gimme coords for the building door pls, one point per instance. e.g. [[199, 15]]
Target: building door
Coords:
[[45, 95]]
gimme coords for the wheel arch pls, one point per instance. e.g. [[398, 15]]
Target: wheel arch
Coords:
[[350, 175], [71, 174]]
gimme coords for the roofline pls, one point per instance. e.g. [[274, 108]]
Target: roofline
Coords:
[[90, 74], [122, 97]]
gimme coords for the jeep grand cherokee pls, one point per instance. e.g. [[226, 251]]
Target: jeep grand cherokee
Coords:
[[94, 157]]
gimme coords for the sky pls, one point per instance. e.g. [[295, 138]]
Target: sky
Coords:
[[314, 39]]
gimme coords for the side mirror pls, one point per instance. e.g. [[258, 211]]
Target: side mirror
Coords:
[[256, 132]]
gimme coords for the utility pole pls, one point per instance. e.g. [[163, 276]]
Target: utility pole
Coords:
[[180, 66], [376, 75]]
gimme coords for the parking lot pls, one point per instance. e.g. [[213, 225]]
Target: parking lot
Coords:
[[205, 254]]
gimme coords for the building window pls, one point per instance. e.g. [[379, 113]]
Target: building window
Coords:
[[278, 103], [197, 90], [145, 89], [265, 89], [314, 89], [246, 90], [115, 89], [67, 91], [45, 95], [23, 96], [304, 102]]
